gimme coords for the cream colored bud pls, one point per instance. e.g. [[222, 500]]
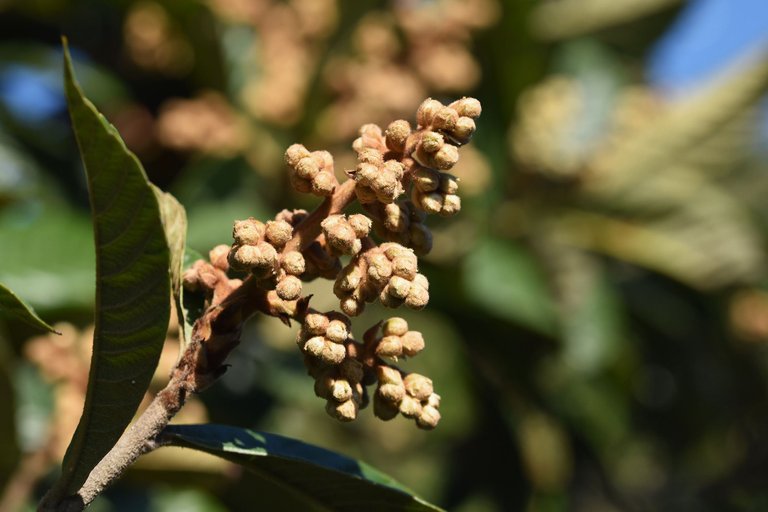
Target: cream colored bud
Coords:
[[464, 129], [397, 134], [278, 232], [293, 263], [446, 157], [379, 268], [431, 202], [398, 287], [431, 142], [307, 168], [248, 232], [295, 153], [395, 218], [345, 411], [360, 224], [405, 267], [413, 343], [324, 183], [218, 257], [316, 323], [468, 107], [352, 306], [434, 400], [429, 418], [389, 346], [395, 250], [421, 280], [267, 258], [410, 407], [451, 205], [370, 130], [289, 288], [448, 184], [445, 119], [333, 353], [337, 331], [324, 160], [417, 297], [384, 409], [425, 179], [389, 375], [244, 257], [315, 346], [323, 385], [350, 278], [341, 390], [392, 393], [418, 386], [427, 110], [352, 370], [395, 326], [388, 301]]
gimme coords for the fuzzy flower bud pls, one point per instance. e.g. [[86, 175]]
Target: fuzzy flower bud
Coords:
[[248, 232], [397, 134], [278, 232]]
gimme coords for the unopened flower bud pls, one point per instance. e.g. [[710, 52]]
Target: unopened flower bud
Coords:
[[405, 267], [332, 353], [316, 323], [289, 288], [464, 129], [417, 297], [337, 331], [295, 153], [418, 386], [395, 326], [426, 179], [468, 107], [396, 135], [248, 231], [352, 306], [293, 263], [389, 346], [434, 400], [398, 287], [379, 268], [278, 232], [427, 110], [388, 375], [429, 418], [218, 257], [324, 183], [422, 281], [446, 157], [431, 142], [395, 218], [448, 184], [410, 407], [341, 390], [431, 202], [352, 370], [413, 343], [384, 409], [360, 224], [445, 119], [315, 346], [307, 168], [451, 205], [244, 257], [345, 411]]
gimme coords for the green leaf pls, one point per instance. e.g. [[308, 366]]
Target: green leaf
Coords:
[[132, 287], [505, 279], [14, 307], [174, 219], [322, 479]]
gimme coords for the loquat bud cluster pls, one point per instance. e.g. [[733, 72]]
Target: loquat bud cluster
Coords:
[[411, 396], [388, 272], [376, 177], [397, 341], [210, 277], [343, 234], [310, 172]]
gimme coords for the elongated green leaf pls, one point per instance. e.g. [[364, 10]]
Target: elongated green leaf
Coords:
[[321, 479], [132, 286], [14, 307], [174, 219]]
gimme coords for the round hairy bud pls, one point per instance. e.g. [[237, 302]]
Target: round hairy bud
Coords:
[[468, 107], [289, 288], [360, 224], [398, 287], [293, 263], [278, 232], [244, 257], [350, 278], [379, 268], [324, 183], [431, 142], [451, 205], [267, 257], [417, 297], [345, 411], [341, 390], [388, 375], [340, 235], [352, 306], [429, 417], [392, 393], [418, 386], [337, 331], [410, 407], [397, 134], [307, 168], [405, 266], [384, 409], [463, 131], [395, 326], [426, 179], [430, 202], [427, 111], [389, 346], [332, 353], [315, 346], [295, 153], [448, 184], [316, 323], [422, 281], [218, 257], [413, 343], [446, 157], [247, 232], [445, 119], [434, 400], [395, 218]]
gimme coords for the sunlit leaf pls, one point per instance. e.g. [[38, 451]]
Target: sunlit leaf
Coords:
[[322, 480]]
